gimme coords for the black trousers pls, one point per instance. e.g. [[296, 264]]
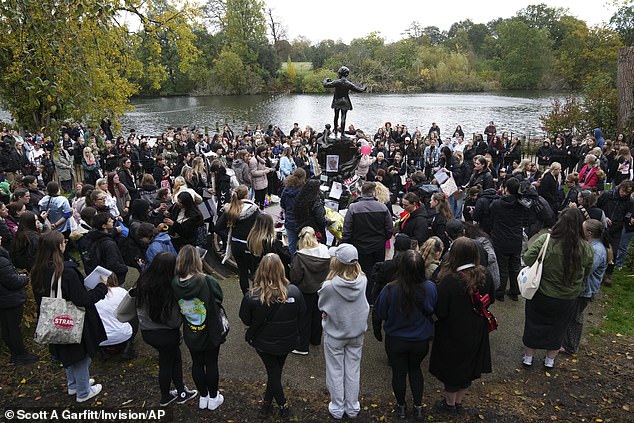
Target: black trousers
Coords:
[[10, 320], [243, 259], [167, 342], [310, 329], [509, 265], [274, 365], [367, 260], [405, 358], [205, 371]]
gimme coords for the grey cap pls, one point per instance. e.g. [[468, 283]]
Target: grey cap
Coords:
[[345, 253]]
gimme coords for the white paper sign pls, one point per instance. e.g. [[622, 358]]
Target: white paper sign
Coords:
[[449, 187], [100, 274], [336, 190]]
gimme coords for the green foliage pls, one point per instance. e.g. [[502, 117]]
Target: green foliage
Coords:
[[313, 81], [229, 72], [600, 102], [623, 23], [569, 114], [245, 27]]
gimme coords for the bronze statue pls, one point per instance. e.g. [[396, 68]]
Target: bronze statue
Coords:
[[341, 100]]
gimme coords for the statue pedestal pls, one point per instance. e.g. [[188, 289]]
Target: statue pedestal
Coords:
[[345, 149]]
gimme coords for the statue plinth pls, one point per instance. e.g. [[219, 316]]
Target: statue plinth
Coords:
[[345, 149]]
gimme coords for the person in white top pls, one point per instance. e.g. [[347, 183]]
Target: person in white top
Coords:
[[117, 332]]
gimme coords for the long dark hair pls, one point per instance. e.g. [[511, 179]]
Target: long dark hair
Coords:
[[569, 231], [48, 256], [26, 228], [411, 271], [306, 198], [464, 251], [189, 206], [154, 287]]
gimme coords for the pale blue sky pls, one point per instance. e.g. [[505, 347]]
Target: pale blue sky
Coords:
[[348, 19]]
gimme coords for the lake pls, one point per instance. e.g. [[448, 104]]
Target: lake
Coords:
[[516, 112]]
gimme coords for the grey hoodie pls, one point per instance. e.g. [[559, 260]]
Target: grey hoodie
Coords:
[[346, 307]]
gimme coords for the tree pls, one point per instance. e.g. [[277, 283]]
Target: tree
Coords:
[[229, 72], [625, 90], [525, 55], [623, 23], [244, 25], [73, 59], [277, 30]]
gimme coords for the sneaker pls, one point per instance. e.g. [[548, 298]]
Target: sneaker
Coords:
[[215, 402], [203, 402], [186, 395], [72, 391], [549, 363], [527, 361], [171, 397], [25, 358], [94, 391], [419, 416], [299, 352]]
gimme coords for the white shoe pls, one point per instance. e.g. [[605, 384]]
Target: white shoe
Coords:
[[298, 352], [74, 391], [203, 402], [94, 391], [215, 402]]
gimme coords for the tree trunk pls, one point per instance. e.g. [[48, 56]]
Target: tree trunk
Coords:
[[625, 90]]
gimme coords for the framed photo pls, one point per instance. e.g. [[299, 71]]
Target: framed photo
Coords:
[[332, 163]]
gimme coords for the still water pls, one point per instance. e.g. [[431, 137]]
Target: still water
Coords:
[[514, 112]]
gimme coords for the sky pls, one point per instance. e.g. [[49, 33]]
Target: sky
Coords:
[[346, 20]]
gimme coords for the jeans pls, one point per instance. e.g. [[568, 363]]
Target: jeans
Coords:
[[167, 342], [572, 338], [205, 371], [405, 358], [78, 377], [274, 365], [509, 265], [343, 372], [10, 319], [621, 254], [456, 206], [292, 237]]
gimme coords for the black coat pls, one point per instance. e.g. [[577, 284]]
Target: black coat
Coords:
[[12, 284], [460, 351], [508, 217], [73, 290], [416, 226], [128, 181], [549, 189], [104, 251], [280, 334]]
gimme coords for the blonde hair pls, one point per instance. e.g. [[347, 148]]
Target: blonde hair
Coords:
[[188, 262], [348, 272], [270, 283], [307, 238], [179, 182], [263, 230], [101, 181], [429, 248], [235, 206], [382, 193], [198, 165]]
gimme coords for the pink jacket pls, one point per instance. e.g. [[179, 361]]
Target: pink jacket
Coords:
[[257, 166]]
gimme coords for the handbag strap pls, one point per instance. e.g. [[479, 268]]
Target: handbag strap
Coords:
[[542, 252], [58, 294]]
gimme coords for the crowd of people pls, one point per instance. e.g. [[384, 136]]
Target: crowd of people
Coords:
[[91, 199]]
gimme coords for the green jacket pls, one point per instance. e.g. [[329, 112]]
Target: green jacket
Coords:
[[193, 296], [552, 283]]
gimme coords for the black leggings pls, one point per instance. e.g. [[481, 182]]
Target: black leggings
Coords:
[[243, 260], [205, 371], [274, 365], [167, 342], [10, 320], [405, 358]]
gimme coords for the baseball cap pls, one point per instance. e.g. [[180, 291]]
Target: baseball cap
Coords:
[[345, 253]]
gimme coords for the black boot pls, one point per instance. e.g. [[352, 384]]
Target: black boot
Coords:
[[266, 410]]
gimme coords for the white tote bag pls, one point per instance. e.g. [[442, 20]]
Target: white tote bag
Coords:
[[530, 276], [60, 321]]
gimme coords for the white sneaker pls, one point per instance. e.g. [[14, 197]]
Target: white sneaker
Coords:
[[94, 391], [299, 352], [203, 402], [215, 402], [72, 391]]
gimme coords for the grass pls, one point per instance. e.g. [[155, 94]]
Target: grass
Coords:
[[619, 304]]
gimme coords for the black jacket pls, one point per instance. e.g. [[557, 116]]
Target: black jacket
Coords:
[[279, 331], [482, 213], [416, 226], [508, 217], [12, 283], [367, 225], [128, 181], [73, 290], [104, 252]]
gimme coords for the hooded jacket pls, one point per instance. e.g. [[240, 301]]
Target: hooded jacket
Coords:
[[309, 268], [287, 202], [104, 251], [245, 222], [162, 242], [241, 168], [345, 306], [508, 217], [193, 296], [481, 213]]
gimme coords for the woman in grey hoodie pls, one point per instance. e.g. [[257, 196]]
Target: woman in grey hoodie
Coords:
[[344, 320]]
